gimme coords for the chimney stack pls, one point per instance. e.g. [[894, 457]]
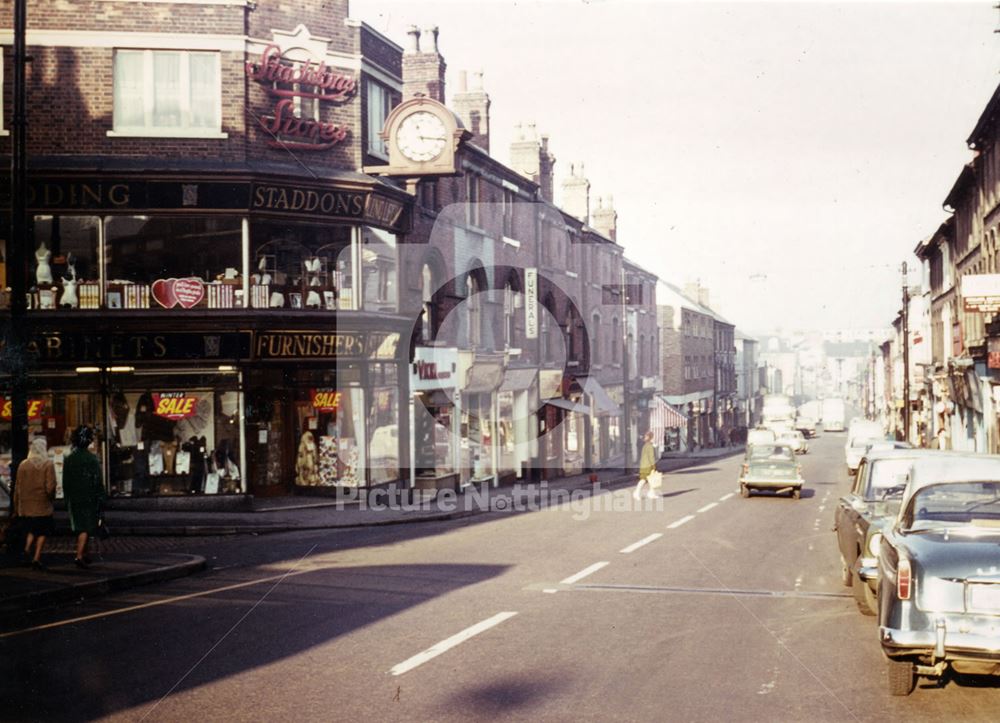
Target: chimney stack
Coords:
[[530, 157], [423, 66], [696, 292], [576, 194], [473, 107], [605, 218]]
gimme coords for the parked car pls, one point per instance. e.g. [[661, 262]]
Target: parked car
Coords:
[[861, 434], [771, 467], [864, 512], [796, 440], [938, 576]]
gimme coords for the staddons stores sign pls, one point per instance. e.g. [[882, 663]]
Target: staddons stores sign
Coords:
[[298, 83]]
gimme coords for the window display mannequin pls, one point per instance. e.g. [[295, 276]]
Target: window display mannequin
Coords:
[[43, 273], [307, 462], [69, 297]]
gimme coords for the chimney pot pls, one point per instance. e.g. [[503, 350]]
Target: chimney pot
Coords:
[[463, 81], [429, 40], [414, 44], [477, 80]]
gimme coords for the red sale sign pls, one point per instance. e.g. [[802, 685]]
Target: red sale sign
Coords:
[[325, 400], [35, 409], [174, 405]]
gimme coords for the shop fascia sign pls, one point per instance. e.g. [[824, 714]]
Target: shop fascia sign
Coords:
[[288, 81], [433, 368], [981, 292]]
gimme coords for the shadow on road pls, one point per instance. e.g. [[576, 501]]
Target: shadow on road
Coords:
[[117, 668], [695, 470], [503, 697]]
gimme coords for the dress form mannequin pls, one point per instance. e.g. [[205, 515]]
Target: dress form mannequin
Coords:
[[69, 297], [43, 274]]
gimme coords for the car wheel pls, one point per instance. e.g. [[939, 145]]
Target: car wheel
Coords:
[[863, 596], [796, 494], [901, 676], [744, 491]]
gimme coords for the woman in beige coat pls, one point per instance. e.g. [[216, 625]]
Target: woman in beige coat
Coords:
[[34, 490]]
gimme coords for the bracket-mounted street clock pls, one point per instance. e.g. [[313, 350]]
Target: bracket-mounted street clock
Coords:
[[422, 136]]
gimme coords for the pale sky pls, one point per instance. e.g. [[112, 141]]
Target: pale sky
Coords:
[[789, 155]]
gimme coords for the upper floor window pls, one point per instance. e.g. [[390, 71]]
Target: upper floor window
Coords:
[[167, 93], [472, 199], [427, 304], [379, 105], [474, 317], [508, 213]]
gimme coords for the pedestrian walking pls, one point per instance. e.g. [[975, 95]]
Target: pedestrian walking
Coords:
[[84, 491], [647, 465], [33, 494]]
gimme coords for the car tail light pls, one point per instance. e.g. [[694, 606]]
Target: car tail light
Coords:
[[904, 580]]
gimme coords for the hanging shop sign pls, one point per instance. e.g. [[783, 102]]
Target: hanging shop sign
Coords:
[[325, 399], [324, 345], [290, 83], [531, 303], [993, 354], [35, 409], [61, 347], [174, 405]]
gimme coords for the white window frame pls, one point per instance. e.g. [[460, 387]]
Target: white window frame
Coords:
[[150, 131], [374, 144], [3, 128]]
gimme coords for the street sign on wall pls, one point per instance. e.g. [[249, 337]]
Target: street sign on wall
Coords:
[[531, 303]]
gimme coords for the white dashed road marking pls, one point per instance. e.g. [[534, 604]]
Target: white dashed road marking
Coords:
[[644, 541], [709, 506], [678, 523], [583, 573], [726, 497], [449, 643]]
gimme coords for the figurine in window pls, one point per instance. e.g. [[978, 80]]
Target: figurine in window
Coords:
[[43, 273], [69, 297]]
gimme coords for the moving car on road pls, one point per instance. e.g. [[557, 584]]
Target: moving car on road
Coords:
[[771, 467], [794, 439], [864, 512], [939, 577], [862, 433]]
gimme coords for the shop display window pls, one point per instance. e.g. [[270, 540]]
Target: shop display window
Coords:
[[505, 432], [434, 449], [172, 262], [64, 270], [378, 268], [383, 425], [56, 406], [330, 428], [477, 437], [301, 266], [174, 435]]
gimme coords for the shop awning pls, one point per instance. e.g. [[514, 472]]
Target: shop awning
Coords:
[[517, 380], [483, 378], [568, 405], [663, 416], [436, 398], [602, 401]]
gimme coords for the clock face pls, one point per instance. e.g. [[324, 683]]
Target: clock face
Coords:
[[421, 136]]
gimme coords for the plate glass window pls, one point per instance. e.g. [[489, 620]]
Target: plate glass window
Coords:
[[379, 104]]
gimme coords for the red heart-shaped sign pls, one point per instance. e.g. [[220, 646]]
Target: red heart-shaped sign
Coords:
[[163, 292], [189, 292]]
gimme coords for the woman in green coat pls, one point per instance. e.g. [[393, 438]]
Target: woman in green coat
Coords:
[[647, 464], [84, 491]]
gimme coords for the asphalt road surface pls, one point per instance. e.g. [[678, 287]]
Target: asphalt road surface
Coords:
[[701, 607]]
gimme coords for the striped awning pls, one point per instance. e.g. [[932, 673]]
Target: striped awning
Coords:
[[663, 416]]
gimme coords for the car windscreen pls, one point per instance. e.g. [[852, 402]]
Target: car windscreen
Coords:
[[771, 451], [954, 504], [772, 469], [887, 474], [864, 442]]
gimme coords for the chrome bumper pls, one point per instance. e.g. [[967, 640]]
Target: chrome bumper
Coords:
[[940, 643]]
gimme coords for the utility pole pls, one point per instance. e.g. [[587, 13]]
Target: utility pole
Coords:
[[14, 356], [906, 356], [626, 397]]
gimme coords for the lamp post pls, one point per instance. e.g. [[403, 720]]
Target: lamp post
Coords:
[[14, 354], [906, 356]]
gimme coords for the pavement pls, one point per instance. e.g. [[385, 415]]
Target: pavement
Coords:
[[137, 552]]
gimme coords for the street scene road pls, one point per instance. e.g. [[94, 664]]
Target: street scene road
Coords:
[[698, 606]]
